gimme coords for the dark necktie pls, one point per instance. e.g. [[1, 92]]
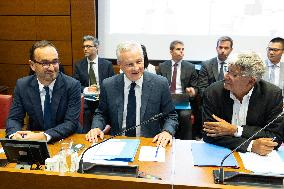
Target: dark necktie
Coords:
[[272, 74], [131, 111], [92, 75], [47, 109], [174, 78], [221, 71]]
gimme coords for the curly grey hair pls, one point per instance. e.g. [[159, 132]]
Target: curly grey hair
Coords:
[[250, 64], [128, 46]]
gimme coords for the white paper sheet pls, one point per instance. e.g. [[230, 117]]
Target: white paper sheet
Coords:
[[148, 153], [270, 163]]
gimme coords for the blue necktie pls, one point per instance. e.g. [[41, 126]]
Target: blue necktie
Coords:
[[47, 110], [131, 111]]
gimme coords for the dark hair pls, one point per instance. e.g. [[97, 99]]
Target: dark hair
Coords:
[[91, 38], [174, 43], [39, 44], [278, 40], [225, 38], [146, 61]]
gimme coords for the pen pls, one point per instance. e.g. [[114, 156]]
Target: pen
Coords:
[[157, 151]]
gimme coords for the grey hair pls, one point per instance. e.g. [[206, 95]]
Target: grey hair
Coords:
[[250, 64], [128, 46], [91, 38]]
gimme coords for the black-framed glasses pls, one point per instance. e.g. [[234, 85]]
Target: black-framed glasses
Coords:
[[46, 63], [87, 46], [273, 49]]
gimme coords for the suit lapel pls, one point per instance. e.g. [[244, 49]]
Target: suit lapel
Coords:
[[146, 92], [168, 66], [33, 95], [252, 114], [119, 91], [57, 93], [215, 68], [86, 73], [281, 75], [100, 70]]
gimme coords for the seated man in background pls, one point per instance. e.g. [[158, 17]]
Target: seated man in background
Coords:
[[182, 78], [133, 97], [274, 67], [91, 71], [213, 70], [241, 105], [51, 99]]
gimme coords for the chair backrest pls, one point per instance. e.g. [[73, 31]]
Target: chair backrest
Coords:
[[5, 105]]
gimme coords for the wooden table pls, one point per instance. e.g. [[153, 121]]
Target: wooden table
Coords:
[[177, 172]]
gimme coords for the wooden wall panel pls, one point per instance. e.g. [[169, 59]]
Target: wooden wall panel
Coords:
[[17, 52], [83, 23], [35, 7], [18, 28], [53, 28]]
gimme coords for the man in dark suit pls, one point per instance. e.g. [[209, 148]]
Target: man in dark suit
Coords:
[[91, 71], [242, 104], [132, 97], [213, 70], [51, 99], [183, 80]]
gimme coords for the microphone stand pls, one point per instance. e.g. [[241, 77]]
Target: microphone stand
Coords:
[[221, 178], [155, 117]]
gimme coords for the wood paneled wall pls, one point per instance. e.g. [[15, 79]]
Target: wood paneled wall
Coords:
[[22, 22]]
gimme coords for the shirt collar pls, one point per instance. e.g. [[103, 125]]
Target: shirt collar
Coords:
[[178, 63], [94, 60], [50, 86], [247, 96], [270, 64], [127, 82], [219, 61]]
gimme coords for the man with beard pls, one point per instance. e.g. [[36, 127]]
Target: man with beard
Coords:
[[51, 99], [213, 70], [238, 107]]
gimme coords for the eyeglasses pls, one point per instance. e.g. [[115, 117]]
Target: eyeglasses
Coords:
[[273, 49], [87, 46], [46, 63]]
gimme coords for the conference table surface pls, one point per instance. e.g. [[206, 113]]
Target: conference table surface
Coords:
[[176, 172]]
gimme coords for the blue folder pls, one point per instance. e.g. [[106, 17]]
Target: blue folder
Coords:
[[205, 154], [128, 152]]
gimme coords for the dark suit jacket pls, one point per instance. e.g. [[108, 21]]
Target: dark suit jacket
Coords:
[[65, 105], [155, 99], [188, 75], [208, 74], [81, 72], [265, 104]]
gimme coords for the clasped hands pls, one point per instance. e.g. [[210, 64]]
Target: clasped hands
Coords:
[[261, 146], [162, 139], [29, 135]]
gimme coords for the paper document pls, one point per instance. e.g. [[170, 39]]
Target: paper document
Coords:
[[113, 150], [150, 153], [1, 150], [270, 163]]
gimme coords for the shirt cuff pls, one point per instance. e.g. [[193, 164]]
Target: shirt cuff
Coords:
[[48, 137], [239, 131], [85, 90], [250, 146]]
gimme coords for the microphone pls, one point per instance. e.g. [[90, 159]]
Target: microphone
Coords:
[[220, 180], [155, 117]]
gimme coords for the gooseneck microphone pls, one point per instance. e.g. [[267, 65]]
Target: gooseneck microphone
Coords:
[[221, 178], [155, 117]]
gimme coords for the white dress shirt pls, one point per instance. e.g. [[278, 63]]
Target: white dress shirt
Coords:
[[276, 72], [96, 70], [138, 94], [225, 66]]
